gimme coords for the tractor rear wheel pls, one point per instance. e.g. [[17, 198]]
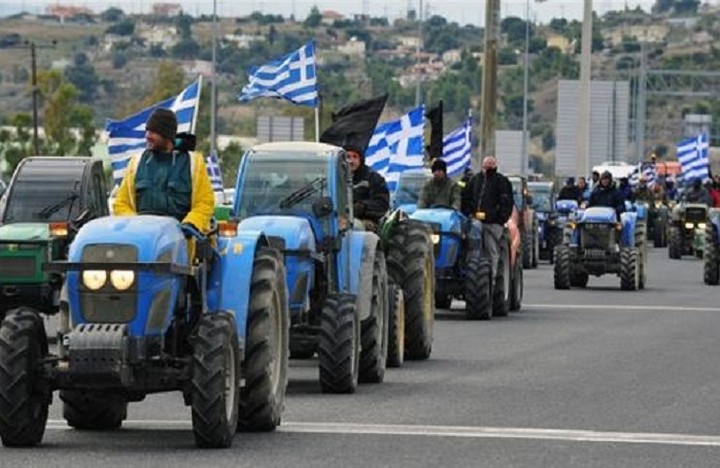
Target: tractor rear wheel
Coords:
[[674, 244], [215, 393], [536, 245], [659, 234], [561, 269], [555, 237], [641, 246], [374, 329], [503, 279], [24, 396], [339, 346], [443, 301], [396, 326], [478, 290], [92, 410], [527, 250], [517, 289], [629, 271], [265, 368], [411, 264], [711, 264], [579, 279]]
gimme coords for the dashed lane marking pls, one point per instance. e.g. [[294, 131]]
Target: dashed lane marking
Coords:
[[620, 307], [451, 431]]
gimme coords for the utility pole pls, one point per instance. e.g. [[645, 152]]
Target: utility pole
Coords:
[[641, 106], [583, 138], [213, 89], [526, 65], [35, 90], [417, 58], [488, 104]]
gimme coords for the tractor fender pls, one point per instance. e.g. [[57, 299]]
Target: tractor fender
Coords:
[[628, 222], [362, 247], [228, 284]]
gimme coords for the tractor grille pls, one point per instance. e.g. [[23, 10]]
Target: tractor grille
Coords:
[[18, 267], [695, 214], [108, 307], [110, 253], [599, 237]]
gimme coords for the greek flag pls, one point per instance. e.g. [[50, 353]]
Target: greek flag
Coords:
[[694, 158], [291, 77], [646, 169], [457, 149], [127, 137], [213, 169], [398, 146]]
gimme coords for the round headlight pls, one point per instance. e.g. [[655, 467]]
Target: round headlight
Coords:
[[94, 279], [122, 279], [435, 238], [701, 225]]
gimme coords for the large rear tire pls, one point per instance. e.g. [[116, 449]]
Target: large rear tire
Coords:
[[396, 326], [579, 279], [265, 369], [93, 411], [503, 280], [555, 238], [629, 271], [641, 246], [24, 395], [215, 394], [517, 289], [527, 250], [711, 261], [675, 247], [561, 269], [374, 329], [411, 264], [478, 290], [339, 344], [659, 239]]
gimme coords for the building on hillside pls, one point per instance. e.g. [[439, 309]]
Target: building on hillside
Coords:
[[193, 68], [451, 57], [653, 34], [110, 40], [60, 64], [683, 23], [409, 42], [243, 41], [352, 47], [64, 12], [168, 10], [330, 16], [565, 45], [162, 35]]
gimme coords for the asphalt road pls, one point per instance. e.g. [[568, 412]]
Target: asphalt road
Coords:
[[581, 378]]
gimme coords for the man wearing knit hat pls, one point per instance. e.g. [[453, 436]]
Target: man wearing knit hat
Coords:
[[371, 197], [441, 190], [166, 179]]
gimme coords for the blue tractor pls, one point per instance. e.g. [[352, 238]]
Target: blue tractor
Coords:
[[549, 221], [599, 244], [336, 273], [711, 257], [145, 316]]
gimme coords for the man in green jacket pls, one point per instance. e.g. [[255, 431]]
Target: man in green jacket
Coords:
[[440, 190]]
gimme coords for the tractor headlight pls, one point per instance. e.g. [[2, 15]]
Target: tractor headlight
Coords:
[[689, 225], [435, 238], [122, 279], [94, 279], [701, 225]]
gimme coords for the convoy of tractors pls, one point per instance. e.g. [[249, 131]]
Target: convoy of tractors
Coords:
[[146, 305]]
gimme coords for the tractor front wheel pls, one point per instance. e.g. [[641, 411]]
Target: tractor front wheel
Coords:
[[711, 264], [396, 326], [561, 269], [24, 396], [339, 346], [478, 290], [629, 271], [675, 247]]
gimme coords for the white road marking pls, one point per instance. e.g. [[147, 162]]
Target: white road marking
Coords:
[[620, 307], [451, 431]]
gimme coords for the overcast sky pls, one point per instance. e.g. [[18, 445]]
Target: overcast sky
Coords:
[[461, 11]]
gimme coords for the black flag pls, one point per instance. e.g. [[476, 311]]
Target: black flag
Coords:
[[354, 125], [435, 116]]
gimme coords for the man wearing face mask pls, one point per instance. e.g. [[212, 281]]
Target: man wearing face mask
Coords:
[[492, 203], [371, 197]]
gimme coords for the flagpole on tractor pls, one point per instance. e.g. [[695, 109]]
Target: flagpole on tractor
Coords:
[[213, 103], [317, 122], [193, 124]]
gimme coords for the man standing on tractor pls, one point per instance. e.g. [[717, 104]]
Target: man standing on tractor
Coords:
[[371, 197], [167, 179], [605, 194], [570, 191], [492, 203], [643, 193], [441, 189]]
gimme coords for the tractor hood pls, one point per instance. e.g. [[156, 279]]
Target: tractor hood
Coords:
[[566, 206], [24, 232], [151, 235], [296, 231], [448, 220], [598, 214]]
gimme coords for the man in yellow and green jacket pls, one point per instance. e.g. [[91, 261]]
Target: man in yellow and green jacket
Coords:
[[166, 181]]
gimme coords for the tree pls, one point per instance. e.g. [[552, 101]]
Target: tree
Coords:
[[126, 27], [185, 49], [183, 26], [514, 28], [677, 6], [507, 56], [119, 60], [82, 75], [112, 15], [314, 18]]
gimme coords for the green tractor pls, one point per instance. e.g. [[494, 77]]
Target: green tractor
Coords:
[[47, 201]]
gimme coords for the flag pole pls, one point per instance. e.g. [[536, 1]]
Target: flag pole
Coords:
[[197, 104], [317, 123]]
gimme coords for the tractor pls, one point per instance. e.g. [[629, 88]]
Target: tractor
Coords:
[[686, 219], [599, 244], [711, 258], [48, 200], [144, 316], [526, 222], [550, 225]]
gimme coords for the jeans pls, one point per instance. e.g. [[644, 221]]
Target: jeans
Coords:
[[492, 247]]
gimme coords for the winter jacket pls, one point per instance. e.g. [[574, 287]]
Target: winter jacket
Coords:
[[570, 192], [440, 192], [700, 195], [492, 195], [371, 198], [159, 182], [609, 197]]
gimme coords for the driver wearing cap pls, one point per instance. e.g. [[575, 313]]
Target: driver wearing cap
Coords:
[[440, 190]]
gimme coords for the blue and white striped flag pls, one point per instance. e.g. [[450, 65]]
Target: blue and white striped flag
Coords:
[[127, 137], [694, 157], [457, 149], [213, 169], [291, 77], [398, 146], [646, 169]]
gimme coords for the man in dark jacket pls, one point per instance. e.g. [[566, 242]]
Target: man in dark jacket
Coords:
[[440, 190], [607, 195], [697, 193], [371, 197], [570, 191], [492, 203]]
